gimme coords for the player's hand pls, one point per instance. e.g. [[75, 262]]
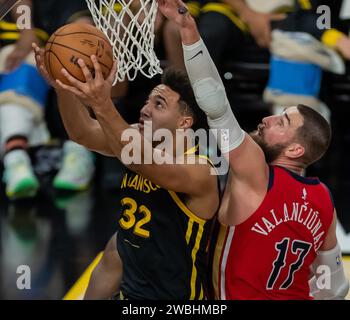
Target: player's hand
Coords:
[[21, 50], [96, 90], [343, 46], [175, 10], [260, 25], [39, 59]]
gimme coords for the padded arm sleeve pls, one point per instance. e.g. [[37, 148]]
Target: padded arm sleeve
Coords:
[[211, 96], [330, 283]]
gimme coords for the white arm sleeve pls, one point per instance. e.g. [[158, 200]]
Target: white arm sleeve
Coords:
[[211, 95], [330, 282]]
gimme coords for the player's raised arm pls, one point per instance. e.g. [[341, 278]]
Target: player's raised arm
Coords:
[[245, 156]]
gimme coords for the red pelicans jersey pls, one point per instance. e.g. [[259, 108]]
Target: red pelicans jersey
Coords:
[[269, 255]]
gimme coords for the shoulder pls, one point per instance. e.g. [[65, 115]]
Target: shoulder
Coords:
[[328, 192]]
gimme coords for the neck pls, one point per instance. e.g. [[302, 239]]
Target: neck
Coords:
[[296, 167], [175, 144], [184, 145]]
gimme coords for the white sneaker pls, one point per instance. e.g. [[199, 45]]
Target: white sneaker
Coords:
[[18, 176], [77, 168]]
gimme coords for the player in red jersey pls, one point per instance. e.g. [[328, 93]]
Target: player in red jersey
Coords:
[[281, 225]]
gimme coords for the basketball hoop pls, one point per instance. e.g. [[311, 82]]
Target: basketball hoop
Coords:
[[129, 26]]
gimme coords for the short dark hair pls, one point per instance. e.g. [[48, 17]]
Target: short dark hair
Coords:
[[315, 134], [178, 81]]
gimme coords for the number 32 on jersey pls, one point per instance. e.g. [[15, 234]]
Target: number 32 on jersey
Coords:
[[130, 218]]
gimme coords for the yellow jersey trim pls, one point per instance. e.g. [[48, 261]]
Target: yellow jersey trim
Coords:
[[9, 36], [185, 210], [206, 158], [194, 150], [283, 9], [11, 32], [227, 11], [201, 295], [194, 8], [305, 4], [118, 7], [9, 26], [331, 37], [42, 34], [189, 231], [78, 291], [194, 255], [219, 248]]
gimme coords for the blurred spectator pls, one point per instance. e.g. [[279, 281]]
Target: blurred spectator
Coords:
[[227, 25], [23, 95], [22, 99], [301, 49], [78, 163]]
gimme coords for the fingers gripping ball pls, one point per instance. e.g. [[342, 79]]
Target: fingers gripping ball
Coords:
[[72, 42]]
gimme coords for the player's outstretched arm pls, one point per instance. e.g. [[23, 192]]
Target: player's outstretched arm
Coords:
[[245, 156], [107, 276], [80, 127], [329, 281]]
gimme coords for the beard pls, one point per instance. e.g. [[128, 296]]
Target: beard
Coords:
[[271, 152]]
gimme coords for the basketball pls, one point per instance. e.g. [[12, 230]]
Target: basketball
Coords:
[[72, 42]]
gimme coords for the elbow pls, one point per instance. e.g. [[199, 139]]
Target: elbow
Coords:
[[211, 97]]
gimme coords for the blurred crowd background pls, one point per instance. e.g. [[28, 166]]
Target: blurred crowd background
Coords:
[[57, 207]]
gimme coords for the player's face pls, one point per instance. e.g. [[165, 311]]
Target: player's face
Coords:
[[162, 109], [276, 132]]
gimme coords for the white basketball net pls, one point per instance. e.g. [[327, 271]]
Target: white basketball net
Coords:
[[129, 26]]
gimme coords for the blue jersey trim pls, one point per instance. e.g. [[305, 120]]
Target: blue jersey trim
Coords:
[[305, 180], [330, 195], [271, 178]]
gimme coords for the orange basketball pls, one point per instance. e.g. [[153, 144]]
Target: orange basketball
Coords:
[[74, 41]]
